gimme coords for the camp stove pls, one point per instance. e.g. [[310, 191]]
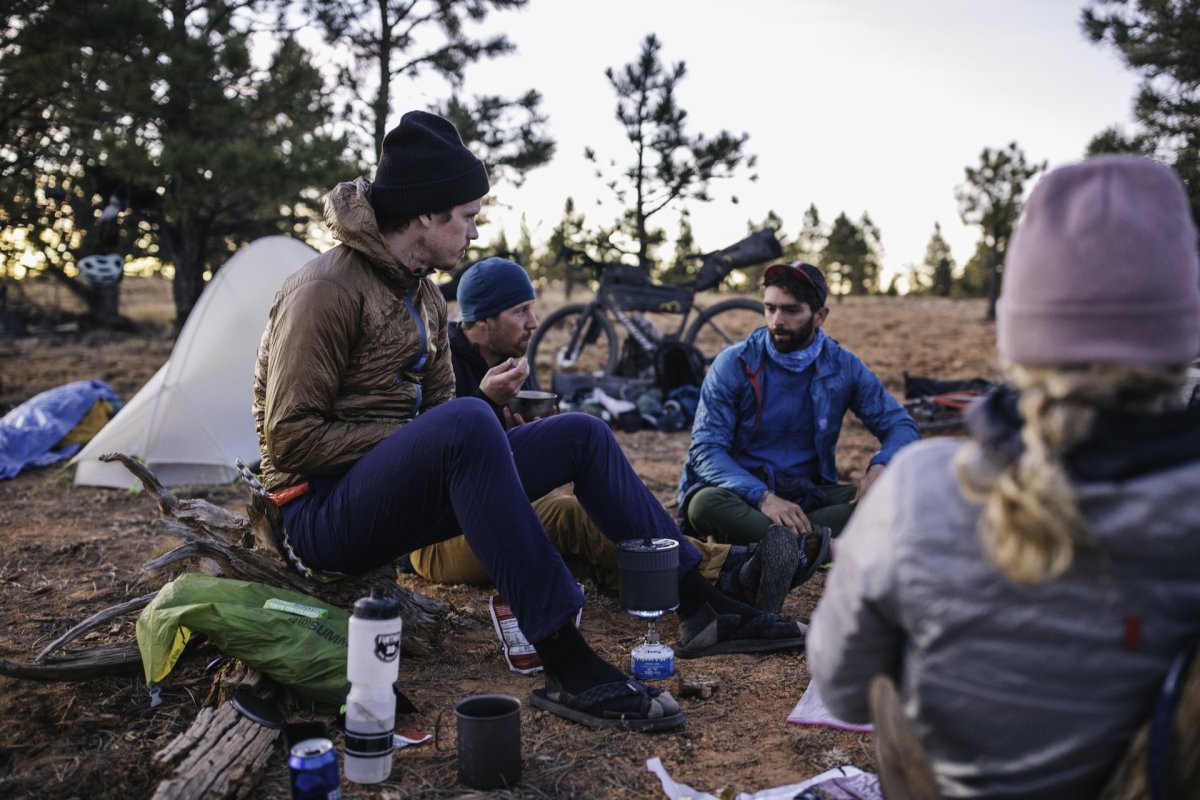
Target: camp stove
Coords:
[[649, 589]]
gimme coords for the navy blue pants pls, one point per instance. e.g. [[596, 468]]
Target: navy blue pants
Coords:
[[454, 469]]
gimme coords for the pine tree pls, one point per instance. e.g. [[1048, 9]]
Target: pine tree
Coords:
[[551, 265], [975, 272], [398, 42], [992, 198], [869, 270], [670, 167], [1159, 41], [161, 106], [851, 256], [811, 241], [939, 264], [681, 267]]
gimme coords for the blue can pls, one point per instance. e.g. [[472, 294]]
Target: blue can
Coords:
[[315, 771]]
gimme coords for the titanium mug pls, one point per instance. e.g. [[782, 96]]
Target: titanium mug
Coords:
[[489, 741]]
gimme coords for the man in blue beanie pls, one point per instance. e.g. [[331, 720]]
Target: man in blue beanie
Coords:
[[495, 299], [369, 456]]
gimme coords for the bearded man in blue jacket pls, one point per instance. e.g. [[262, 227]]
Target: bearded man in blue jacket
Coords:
[[766, 429]]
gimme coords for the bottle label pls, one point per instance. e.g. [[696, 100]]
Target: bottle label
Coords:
[[387, 646]]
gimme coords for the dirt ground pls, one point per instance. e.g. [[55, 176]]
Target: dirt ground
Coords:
[[66, 552]]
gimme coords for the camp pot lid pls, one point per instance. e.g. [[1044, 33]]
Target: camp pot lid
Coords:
[[647, 545], [256, 709], [647, 555]]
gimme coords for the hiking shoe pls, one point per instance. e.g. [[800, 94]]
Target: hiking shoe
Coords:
[[768, 574]]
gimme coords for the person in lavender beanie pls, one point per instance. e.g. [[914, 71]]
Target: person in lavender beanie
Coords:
[[1029, 589]]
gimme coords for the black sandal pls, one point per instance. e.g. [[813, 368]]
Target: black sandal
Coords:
[[581, 707]]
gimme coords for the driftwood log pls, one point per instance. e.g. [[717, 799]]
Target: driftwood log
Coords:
[[221, 543], [222, 754]]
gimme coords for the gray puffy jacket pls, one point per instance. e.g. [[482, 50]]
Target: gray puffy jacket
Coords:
[[1015, 691]]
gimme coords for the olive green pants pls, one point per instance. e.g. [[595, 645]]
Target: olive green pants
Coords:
[[722, 515], [588, 553]]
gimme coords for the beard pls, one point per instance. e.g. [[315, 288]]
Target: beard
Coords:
[[510, 348], [789, 341]]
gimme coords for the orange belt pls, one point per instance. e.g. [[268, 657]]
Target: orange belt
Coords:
[[288, 494]]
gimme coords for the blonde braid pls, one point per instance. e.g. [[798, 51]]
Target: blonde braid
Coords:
[[1031, 525]]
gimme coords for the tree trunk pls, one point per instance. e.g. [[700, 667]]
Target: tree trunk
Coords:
[[187, 245], [105, 306], [993, 273]]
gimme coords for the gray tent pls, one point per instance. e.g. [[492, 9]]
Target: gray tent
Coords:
[[191, 420]]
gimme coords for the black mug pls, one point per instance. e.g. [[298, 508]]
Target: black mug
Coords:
[[489, 741]]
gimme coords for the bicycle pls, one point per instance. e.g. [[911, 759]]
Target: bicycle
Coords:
[[581, 338]]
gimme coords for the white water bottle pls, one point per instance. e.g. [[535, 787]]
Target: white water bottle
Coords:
[[372, 666]]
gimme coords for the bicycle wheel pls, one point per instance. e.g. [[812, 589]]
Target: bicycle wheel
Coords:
[[568, 342], [724, 324]]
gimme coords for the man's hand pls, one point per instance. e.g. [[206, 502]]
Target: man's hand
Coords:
[[868, 480], [502, 382], [511, 420], [782, 512]]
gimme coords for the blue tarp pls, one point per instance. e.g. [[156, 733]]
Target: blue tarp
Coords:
[[30, 431]]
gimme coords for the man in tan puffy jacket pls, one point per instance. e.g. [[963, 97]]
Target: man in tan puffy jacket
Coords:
[[369, 457]]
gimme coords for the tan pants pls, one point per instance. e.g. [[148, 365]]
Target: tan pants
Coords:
[[588, 553]]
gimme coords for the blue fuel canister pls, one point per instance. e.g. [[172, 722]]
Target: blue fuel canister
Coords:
[[652, 661]]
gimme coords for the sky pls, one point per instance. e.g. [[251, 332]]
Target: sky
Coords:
[[856, 106]]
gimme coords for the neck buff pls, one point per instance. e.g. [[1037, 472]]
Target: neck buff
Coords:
[[797, 360]]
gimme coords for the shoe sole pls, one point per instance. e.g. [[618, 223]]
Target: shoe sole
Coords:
[[542, 701], [820, 561]]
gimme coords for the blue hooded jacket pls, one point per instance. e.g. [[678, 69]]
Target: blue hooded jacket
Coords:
[[727, 420]]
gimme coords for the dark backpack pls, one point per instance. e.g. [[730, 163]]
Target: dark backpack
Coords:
[[677, 364]]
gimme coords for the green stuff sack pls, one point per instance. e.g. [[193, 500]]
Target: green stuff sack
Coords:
[[297, 640]]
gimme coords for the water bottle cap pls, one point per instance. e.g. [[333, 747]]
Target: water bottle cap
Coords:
[[376, 607]]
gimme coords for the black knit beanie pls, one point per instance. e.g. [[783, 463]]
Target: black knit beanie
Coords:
[[425, 168]]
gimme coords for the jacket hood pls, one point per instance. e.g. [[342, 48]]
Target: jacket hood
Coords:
[[351, 219]]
